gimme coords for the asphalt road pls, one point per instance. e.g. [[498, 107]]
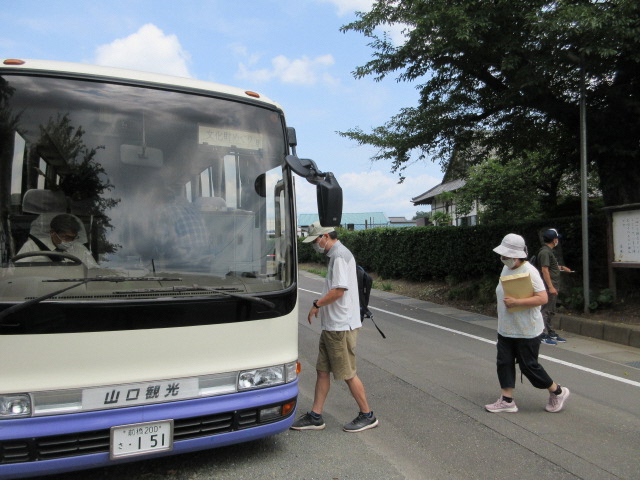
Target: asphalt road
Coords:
[[427, 383]]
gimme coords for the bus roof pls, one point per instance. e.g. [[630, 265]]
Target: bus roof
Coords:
[[96, 71]]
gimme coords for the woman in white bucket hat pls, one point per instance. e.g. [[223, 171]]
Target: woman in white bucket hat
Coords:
[[519, 332]]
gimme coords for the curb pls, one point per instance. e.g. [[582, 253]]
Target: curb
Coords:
[[621, 333]]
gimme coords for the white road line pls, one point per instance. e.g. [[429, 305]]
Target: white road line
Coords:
[[475, 337]]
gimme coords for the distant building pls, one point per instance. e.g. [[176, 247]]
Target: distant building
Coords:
[[358, 221], [440, 203], [440, 197], [401, 222]]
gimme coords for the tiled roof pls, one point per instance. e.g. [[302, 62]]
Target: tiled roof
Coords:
[[426, 197], [401, 220]]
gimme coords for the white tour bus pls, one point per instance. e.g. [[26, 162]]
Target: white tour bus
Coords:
[[148, 272]]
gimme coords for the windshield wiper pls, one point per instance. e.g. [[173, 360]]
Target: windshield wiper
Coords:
[[116, 279], [80, 281], [197, 288]]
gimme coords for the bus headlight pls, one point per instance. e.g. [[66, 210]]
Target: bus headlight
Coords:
[[292, 370], [261, 377], [14, 406]]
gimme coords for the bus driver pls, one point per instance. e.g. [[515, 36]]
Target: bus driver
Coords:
[[62, 238]]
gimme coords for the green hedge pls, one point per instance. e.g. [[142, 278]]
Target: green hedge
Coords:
[[423, 253]]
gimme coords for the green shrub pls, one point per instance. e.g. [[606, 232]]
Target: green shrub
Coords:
[[459, 254], [487, 290], [575, 299], [598, 300], [464, 253], [605, 298], [466, 292]]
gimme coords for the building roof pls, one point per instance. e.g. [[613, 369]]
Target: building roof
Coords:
[[396, 220], [427, 197]]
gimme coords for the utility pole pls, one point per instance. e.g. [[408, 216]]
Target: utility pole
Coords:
[[583, 186]]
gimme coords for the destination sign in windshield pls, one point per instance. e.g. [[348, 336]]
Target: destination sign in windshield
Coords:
[[222, 137]]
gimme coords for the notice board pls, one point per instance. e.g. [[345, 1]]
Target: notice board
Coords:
[[626, 236]]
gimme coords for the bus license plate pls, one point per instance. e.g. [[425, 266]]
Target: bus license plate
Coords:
[[141, 438]]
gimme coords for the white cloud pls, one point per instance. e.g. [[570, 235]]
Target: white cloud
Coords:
[[346, 7], [242, 51], [299, 71], [371, 191], [349, 6], [149, 49], [397, 33], [258, 76]]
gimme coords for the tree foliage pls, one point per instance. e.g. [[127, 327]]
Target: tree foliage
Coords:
[[505, 192], [535, 185], [421, 214], [440, 218], [84, 179], [503, 78]]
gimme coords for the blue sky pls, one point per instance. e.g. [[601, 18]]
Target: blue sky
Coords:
[[289, 50]]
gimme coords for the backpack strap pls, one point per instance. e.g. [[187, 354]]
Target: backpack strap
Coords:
[[375, 324]]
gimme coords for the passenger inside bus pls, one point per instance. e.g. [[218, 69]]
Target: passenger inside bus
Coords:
[[62, 234], [181, 232]]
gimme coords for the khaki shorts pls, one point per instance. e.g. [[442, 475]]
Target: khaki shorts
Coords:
[[338, 353]]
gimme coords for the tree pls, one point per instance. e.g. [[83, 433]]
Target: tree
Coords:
[[441, 218], [536, 184], [502, 77], [84, 180], [502, 191]]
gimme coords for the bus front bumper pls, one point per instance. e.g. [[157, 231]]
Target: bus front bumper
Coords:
[[62, 443]]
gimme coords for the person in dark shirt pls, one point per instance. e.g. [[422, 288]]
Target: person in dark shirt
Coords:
[[550, 269]]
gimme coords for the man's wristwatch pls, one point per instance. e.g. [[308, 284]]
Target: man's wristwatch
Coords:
[[315, 304]]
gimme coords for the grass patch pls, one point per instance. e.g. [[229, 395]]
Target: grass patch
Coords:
[[315, 269], [385, 285]]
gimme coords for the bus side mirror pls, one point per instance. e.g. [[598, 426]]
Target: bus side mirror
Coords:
[[328, 191], [304, 167], [329, 194]]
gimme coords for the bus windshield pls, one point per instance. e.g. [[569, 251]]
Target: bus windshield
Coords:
[[116, 193]]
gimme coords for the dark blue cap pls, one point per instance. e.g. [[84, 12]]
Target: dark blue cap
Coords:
[[550, 235]]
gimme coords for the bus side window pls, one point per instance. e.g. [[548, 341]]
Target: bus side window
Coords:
[[19, 226], [4, 252], [232, 182]]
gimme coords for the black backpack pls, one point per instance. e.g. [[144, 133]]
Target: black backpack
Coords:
[[365, 282], [534, 261]]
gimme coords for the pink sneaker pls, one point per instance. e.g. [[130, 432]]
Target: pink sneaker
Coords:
[[502, 406], [556, 402]]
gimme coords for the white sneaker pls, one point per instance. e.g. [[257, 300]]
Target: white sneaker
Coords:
[[556, 402], [502, 406]]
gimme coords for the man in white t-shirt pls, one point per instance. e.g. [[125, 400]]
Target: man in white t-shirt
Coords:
[[339, 309]]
